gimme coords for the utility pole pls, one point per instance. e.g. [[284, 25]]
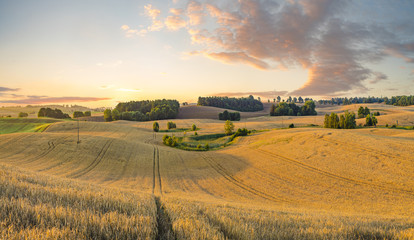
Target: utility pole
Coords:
[[78, 132]]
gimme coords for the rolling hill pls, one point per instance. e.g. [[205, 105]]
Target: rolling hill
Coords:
[[305, 182]]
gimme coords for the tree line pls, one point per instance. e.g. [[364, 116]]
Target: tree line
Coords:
[[243, 104], [78, 114], [344, 121], [56, 113], [291, 109], [400, 100], [143, 110], [232, 116]]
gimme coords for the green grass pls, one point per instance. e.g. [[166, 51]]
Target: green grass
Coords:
[[215, 141], [14, 125], [179, 130]]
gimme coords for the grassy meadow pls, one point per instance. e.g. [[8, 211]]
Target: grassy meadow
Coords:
[[122, 182]]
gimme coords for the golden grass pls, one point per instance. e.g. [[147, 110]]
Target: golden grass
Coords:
[[35, 206], [305, 182]]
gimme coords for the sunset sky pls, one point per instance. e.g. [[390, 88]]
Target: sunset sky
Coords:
[[97, 53]]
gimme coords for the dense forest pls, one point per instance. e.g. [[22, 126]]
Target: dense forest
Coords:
[[291, 109], [144, 110], [48, 112], [243, 104], [344, 121], [400, 100]]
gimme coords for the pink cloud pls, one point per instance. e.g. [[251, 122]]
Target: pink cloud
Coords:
[[43, 100], [174, 23]]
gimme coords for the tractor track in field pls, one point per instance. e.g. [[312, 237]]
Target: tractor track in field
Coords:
[[224, 173], [331, 175], [51, 147], [95, 162], [192, 179], [156, 174], [370, 150]]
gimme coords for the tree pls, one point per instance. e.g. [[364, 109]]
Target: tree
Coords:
[[326, 121], [116, 115], [371, 120], [300, 99], [23, 114], [228, 127], [278, 98], [87, 113], [77, 114], [108, 115], [155, 127], [194, 127]]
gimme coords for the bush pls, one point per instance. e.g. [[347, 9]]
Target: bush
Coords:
[[155, 127], [171, 125], [291, 125], [78, 114], [170, 141], [199, 146], [23, 114], [228, 127], [87, 113], [195, 133], [207, 147], [386, 125], [394, 126], [194, 127], [240, 132]]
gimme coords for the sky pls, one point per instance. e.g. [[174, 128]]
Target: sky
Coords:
[[98, 52]]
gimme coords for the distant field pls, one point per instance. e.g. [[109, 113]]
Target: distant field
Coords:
[[278, 183], [13, 125]]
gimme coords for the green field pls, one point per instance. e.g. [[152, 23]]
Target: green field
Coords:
[[15, 125]]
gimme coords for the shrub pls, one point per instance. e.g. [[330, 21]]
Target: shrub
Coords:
[[87, 114], [171, 125], [194, 127], [155, 127], [394, 126], [228, 127], [199, 146], [195, 133], [23, 114], [207, 147], [291, 125], [386, 125], [77, 114]]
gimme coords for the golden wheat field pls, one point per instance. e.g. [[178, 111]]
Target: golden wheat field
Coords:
[[121, 182]]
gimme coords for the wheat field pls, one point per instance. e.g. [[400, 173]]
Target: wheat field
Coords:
[[121, 182]]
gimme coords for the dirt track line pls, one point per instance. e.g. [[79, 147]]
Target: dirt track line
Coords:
[[50, 148], [158, 169], [95, 162], [153, 172], [372, 151], [331, 175], [223, 172]]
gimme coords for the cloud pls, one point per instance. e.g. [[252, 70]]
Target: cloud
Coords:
[[240, 57], [128, 90], [44, 100], [378, 77], [6, 89], [265, 94], [174, 23], [153, 13], [321, 36]]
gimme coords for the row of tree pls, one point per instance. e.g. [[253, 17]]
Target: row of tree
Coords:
[[56, 113], [400, 100], [77, 114], [226, 115], [291, 109], [143, 110], [344, 121], [243, 104]]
